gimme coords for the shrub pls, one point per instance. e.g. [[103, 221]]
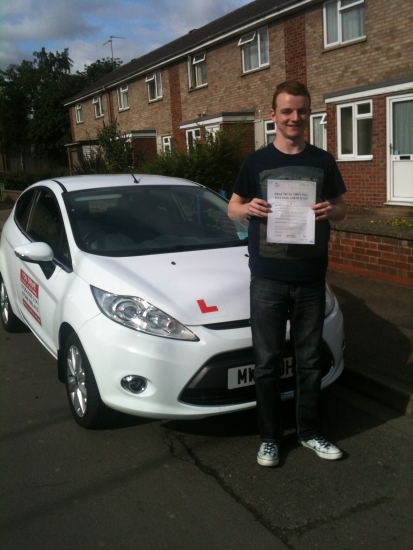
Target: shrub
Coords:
[[214, 162], [112, 155], [18, 181]]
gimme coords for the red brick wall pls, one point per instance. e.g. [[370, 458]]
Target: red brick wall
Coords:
[[365, 180], [145, 146], [176, 106], [295, 50], [384, 258]]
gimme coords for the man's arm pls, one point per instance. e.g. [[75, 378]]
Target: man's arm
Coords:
[[240, 208], [333, 209]]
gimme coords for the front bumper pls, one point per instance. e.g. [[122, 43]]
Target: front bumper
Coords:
[[186, 379]]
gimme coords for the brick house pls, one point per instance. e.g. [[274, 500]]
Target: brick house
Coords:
[[356, 57]]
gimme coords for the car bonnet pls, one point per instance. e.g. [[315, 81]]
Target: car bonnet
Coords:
[[195, 287]]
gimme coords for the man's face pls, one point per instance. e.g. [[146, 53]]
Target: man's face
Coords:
[[291, 115]]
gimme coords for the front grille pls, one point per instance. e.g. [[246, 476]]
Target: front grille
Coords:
[[209, 385], [227, 325]]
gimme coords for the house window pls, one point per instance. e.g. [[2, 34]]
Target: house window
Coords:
[[79, 113], [355, 122], [254, 50], [343, 21], [270, 129], [97, 102], [167, 144], [212, 131], [123, 98], [318, 130], [197, 70], [154, 81], [191, 137]]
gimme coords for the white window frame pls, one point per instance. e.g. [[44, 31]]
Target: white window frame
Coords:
[[340, 10], [212, 130], [247, 40], [269, 132], [97, 102], [154, 81], [323, 122], [196, 135], [355, 118], [123, 97], [167, 144], [193, 60], [79, 113]]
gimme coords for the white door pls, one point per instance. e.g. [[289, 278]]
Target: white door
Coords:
[[400, 110]]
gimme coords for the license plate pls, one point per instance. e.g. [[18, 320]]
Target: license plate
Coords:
[[239, 377]]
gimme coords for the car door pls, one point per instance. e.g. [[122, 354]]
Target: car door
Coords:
[[41, 287]]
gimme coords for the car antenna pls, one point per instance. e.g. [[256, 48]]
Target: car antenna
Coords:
[[135, 180]]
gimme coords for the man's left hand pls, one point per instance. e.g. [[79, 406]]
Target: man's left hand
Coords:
[[334, 209]]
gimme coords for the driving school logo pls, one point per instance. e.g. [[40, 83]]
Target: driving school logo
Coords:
[[30, 295]]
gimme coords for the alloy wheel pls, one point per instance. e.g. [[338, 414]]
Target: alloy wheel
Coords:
[[4, 303], [76, 379]]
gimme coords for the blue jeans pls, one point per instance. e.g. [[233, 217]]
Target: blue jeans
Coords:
[[272, 302]]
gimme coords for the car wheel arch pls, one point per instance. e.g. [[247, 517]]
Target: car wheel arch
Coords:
[[64, 332]]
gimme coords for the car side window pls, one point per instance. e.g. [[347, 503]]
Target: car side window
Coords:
[[46, 225], [23, 208]]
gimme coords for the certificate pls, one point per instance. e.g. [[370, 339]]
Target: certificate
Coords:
[[291, 220]]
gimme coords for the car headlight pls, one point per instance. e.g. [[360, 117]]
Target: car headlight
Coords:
[[140, 315], [330, 300]]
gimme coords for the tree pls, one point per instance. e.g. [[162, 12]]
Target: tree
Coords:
[[95, 71], [112, 155], [17, 90], [32, 95]]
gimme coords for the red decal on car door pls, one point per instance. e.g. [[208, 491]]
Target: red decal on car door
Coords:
[[204, 308]]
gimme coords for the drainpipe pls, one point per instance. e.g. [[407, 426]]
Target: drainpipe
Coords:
[[109, 104]]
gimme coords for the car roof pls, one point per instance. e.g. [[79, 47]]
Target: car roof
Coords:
[[99, 181]]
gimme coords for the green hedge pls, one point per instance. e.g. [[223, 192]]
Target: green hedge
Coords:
[[18, 181]]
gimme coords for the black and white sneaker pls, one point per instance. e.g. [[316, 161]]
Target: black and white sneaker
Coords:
[[268, 454], [323, 448]]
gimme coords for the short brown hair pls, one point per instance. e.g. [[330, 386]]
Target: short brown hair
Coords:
[[292, 87]]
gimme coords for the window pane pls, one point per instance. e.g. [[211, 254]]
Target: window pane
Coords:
[[269, 138], [353, 23], [151, 90], [363, 108], [264, 46], [332, 25], [403, 127], [364, 136], [318, 132], [346, 130], [158, 85], [251, 56], [200, 74]]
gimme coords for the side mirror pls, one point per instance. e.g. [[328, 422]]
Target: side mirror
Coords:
[[34, 253], [37, 253]]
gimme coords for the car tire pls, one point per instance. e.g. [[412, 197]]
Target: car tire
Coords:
[[9, 320], [85, 402]]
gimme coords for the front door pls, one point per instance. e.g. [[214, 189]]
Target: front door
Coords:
[[401, 150]]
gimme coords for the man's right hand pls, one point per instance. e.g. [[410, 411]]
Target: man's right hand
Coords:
[[239, 208]]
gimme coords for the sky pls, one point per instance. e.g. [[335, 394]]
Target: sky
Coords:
[[84, 26]]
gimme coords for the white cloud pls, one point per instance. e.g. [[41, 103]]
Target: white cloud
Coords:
[[84, 25]]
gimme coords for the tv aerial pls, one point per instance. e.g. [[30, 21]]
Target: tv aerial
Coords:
[[111, 45]]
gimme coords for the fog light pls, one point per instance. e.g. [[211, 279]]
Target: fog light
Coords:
[[134, 384]]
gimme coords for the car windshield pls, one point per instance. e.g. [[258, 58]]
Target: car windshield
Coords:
[[151, 219]]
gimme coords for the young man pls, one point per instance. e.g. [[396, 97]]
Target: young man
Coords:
[[288, 281]]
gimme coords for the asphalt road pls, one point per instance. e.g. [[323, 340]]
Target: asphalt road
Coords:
[[193, 485]]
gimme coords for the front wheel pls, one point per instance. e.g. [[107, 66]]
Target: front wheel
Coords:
[[85, 402], [9, 320]]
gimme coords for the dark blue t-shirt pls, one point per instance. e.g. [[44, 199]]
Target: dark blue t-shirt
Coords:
[[292, 262]]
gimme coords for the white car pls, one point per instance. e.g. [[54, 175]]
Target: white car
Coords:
[[139, 287]]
